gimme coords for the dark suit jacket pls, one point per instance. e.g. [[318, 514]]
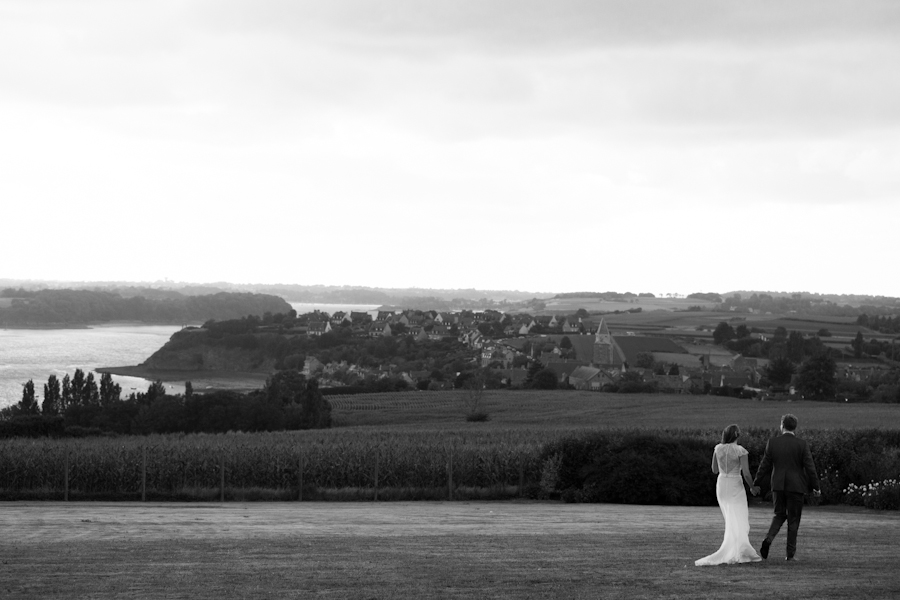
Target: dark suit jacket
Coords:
[[790, 464]]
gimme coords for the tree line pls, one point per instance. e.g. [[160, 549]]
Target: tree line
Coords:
[[806, 304], [880, 323], [78, 406], [68, 307], [783, 343]]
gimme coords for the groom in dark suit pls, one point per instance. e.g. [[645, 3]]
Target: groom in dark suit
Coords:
[[789, 466]]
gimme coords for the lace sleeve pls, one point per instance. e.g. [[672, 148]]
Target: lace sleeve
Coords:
[[741, 451]]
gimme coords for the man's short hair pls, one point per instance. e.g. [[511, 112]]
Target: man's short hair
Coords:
[[789, 422]]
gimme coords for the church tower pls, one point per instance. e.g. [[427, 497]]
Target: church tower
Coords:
[[604, 353]]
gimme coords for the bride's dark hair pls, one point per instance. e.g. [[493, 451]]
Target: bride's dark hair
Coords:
[[730, 434]]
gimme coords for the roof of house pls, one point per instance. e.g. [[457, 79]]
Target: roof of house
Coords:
[[677, 358], [706, 349], [632, 345], [564, 368], [583, 345], [585, 373]]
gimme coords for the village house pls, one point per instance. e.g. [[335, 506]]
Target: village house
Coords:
[[589, 378], [318, 328], [438, 331], [445, 318], [473, 339], [380, 328]]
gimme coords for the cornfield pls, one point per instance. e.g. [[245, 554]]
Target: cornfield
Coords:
[[289, 465]]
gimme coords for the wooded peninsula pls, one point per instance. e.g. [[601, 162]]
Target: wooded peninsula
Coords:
[[72, 308]]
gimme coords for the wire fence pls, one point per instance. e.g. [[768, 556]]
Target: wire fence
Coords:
[[272, 466]]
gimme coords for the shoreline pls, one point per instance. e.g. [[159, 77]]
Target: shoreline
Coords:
[[48, 327], [239, 381], [92, 325]]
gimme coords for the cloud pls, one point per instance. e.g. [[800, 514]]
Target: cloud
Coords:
[[467, 70], [490, 118], [542, 25]]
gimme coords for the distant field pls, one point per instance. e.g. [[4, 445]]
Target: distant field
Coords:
[[837, 326], [699, 325], [576, 410], [5, 302], [688, 321], [570, 305]]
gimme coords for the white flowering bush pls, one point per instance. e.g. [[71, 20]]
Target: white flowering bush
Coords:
[[881, 495]]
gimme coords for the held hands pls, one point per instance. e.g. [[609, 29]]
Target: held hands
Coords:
[[755, 490], [817, 493]]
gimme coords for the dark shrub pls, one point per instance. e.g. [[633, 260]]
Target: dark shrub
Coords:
[[635, 468], [545, 379], [666, 467], [638, 387], [32, 426]]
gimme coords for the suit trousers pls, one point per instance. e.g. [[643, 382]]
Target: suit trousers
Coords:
[[788, 507]]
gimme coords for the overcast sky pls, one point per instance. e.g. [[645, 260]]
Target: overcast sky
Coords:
[[541, 145]]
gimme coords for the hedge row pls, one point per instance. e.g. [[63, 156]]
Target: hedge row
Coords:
[[672, 467]]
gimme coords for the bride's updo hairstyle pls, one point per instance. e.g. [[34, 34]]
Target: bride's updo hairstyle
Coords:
[[731, 433]]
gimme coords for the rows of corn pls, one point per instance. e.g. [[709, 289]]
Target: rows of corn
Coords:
[[289, 462]]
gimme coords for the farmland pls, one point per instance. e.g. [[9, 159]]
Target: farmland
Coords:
[[413, 445], [570, 305], [567, 410]]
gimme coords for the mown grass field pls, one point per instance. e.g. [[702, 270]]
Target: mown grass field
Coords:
[[589, 410], [442, 550]]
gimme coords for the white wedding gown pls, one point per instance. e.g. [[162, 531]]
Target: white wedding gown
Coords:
[[732, 499]]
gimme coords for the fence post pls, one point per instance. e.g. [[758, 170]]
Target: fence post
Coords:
[[222, 477], [450, 474], [144, 475], [521, 478], [300, 476], [376, 475], [66, 478]]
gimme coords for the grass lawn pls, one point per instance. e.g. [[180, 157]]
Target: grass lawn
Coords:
[[575, 409], [428, 550]]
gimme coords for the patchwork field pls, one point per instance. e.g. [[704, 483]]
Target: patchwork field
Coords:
[[570, 305], [515, 550]]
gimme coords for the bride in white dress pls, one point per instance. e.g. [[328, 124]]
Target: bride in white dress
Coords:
[[730, 462]]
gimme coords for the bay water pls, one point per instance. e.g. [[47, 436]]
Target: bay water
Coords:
[[36, 354]]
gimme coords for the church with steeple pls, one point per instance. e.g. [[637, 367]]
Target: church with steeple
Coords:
[[605, 351]]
